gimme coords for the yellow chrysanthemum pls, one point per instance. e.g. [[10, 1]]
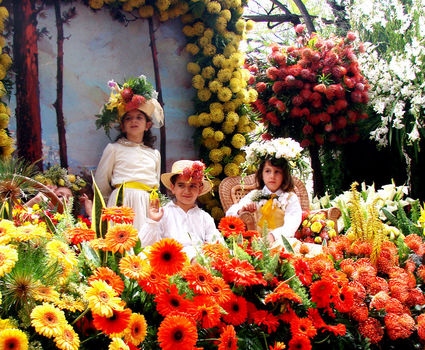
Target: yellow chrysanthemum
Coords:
[[193, 121], [238, 159], [192, 49], [250, 24], [218, 60], [229, 49], [215, 183], [204, 94], [127, 7], [252, 95], [61, 252], [193, 68], [68, 339], [48, 320], [13, 339], [198, 82], [204, 119], [243, 95], [232, 117], [224, 94], [7, 231], [162, 5], [207, 132], [217, 115], [136, 3], [213, 7], [198, 28], [220, 24], [4, 13], [103, 299], [96, 4], [227, 151], [204, 41], [187, 18], [215, 85], [207, 73], [209, 33], [118, 344], [227, 128], [210, 143], [237, 58], [238, 141], [216, 155], [216, 169], [209, 50], [4, 120], [218, 136], [224, 75], [8, 259], [29, 232], [231, 169], [235, 85], [226, 14], [235, 3], [229, 106], [188, 31], [146, 11]]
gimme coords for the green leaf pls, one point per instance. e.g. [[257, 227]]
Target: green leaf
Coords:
[[120, 196], [287, 245], [99, 226], [49, 223]]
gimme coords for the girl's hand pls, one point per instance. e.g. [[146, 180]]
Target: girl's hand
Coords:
[[155, 213], [251, 207]]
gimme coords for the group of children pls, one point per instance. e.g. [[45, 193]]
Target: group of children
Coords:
[[133, 162]]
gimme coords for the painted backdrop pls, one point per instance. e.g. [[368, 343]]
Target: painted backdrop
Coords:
[[96, 49]]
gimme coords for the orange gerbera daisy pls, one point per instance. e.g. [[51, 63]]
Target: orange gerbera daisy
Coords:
[[237, 310], [299, 342], [231, 225], [99, 244], [303, 271], [322, 291], [216, 251], [220, 290], [304, 326], [278, 346], [198, 278], [371, 328], [228, 339], [167, 257], [177, 332], [153, 282], [205, 310], [121, 237], [133, 266], [283, 291], [171, 301], [115, 324], [119, 215], [76, 235], [136, 330], [265, 318], [13, 339], [110, 277], [344, 300], [241, 272]]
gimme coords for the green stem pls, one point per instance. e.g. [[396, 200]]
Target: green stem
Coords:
[[92, 337], [81, 315]]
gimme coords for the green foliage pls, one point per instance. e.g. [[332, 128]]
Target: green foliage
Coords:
[[100, 226]]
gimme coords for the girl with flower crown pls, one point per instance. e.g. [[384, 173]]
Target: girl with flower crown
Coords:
[[275, 204], [181, 218], [131, 160]]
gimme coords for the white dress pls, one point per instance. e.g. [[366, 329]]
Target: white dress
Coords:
[[125, 161], [192, 229], [287, 201]]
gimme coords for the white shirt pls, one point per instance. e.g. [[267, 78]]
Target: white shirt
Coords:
[[192, 229], [287, 201]]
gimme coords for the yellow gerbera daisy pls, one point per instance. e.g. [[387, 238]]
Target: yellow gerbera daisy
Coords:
[[61, 252], [67, 302], [48, 320], [133, 266], [121, 237], [29, 232], [13, 339], [136, 330], [67, 339], [7, 231], [8, 258], [118, 344], [46, 293], [6, 324], [103, 299]]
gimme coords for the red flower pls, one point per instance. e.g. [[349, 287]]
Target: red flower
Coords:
[[205, 310], [399, 326], [263, 317], [177, 332], [371, 328], [236, 309], [110, 277], [322, 291], [171, 301], [167, 257], [198, 278], [119, 215], [299, 342], [117, 323], [231, 225], [241, 272], [77, 235], [303, 326], [228, 339]]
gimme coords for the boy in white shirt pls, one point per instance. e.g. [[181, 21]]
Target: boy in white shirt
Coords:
[[181, 218]]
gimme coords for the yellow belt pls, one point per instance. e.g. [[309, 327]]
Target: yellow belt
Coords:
[[141, 186]]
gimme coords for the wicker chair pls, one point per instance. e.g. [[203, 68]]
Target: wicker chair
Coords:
[[231, 191]]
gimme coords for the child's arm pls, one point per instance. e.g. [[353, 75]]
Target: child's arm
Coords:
[[245, 204], [155, 212], [292, 220], [104, 170], [152, 229]]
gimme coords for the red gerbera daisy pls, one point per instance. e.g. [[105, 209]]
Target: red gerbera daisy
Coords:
[[167, 257], [198, 278], [177, 332], [153, 282], [228, 339], [220, 290], [205, 310], [265, 318], [171, 301], [344, 300], [216, 251], [117, 323], [136, 330], [321, 292], [241, 272], [231, 225], [303, 271], [236, 309], [304, 326], [299, 342], [278, 346], [110, 277], [119, 215], [283, 291], [76, 235]]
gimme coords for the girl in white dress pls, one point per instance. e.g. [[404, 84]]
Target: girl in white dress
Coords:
[[131, 160]]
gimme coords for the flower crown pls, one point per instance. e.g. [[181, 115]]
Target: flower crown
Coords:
[[280, 148], [194, 173], [60, 177], [124, 97]]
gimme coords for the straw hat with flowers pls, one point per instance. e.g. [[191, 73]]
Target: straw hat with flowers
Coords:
[[191, 171]]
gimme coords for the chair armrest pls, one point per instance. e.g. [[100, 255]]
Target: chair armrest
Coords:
[[332, 213], [249, 219]]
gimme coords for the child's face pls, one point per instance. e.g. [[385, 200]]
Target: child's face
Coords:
[[63, 193], [186, 192], [272, 176], [135, 123]]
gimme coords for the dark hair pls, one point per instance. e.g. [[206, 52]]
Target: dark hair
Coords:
[[287, 182], [148, 138]]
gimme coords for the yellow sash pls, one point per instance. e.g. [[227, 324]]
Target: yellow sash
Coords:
[[141, 186], [272, 215]]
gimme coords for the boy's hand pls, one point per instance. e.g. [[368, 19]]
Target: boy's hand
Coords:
[[155, 212], [251, 207]]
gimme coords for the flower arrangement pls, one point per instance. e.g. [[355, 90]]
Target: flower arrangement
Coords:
[[58, 176], [315, 228], [315, 90]]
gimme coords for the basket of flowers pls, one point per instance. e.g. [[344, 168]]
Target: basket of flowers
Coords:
[[316, 228]]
